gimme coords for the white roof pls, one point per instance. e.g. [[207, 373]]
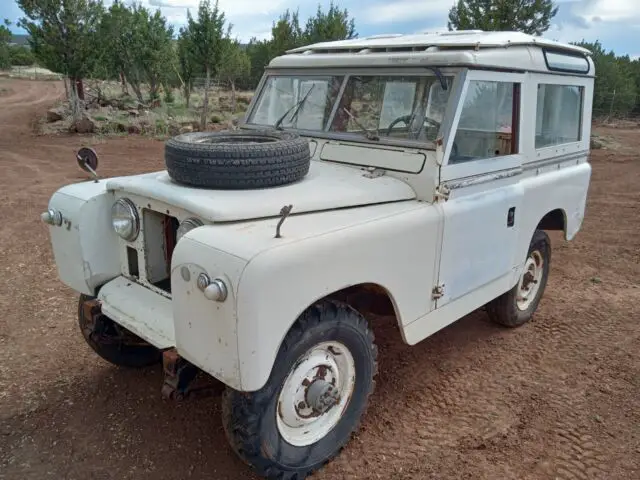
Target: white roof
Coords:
[[461, 38], [514, 51]]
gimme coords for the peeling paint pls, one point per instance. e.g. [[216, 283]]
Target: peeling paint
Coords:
[[485, 178]]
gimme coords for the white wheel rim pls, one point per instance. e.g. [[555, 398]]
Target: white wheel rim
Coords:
[[530, 280], [324, 376]]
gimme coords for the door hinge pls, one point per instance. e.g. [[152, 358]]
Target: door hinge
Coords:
[[442, 193], [437, 292]]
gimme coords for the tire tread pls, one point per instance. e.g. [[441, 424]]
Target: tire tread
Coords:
[[241, 411], [237, 165], [502, 310]]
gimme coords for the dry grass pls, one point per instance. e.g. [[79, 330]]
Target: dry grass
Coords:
[[115, 112], [30, 73]]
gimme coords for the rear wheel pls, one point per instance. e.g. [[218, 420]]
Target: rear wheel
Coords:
[[518, 305], [314, 399], [112, 342]]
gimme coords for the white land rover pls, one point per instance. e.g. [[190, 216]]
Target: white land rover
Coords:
[[412, 175]]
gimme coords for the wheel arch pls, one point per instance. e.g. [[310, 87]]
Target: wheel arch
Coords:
[[554, 220], [369, 299]]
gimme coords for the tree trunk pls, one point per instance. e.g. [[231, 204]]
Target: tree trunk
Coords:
[[153, 89], [205, 106], [123, 82], [233, 96], [79, 88], [66, 89], [75, 101], [187, 93], [136, 89]]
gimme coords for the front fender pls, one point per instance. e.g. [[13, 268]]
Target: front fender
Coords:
[[85, 247], [205, 330], [397, 252], [272, 281]]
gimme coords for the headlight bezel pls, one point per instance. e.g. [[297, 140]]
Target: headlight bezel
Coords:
[[131, 215], [186, 226]]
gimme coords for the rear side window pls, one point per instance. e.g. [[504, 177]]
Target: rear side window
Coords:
[[558, 114]]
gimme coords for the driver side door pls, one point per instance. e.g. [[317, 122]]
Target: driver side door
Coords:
[[481, 172]]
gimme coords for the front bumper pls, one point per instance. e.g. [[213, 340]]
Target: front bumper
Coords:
[[139, 310]]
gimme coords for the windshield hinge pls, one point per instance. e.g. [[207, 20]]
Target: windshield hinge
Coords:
[[373, 172], [437, 292], [442, 193]]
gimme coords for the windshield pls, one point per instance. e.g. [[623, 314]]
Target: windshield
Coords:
[[281, 94], [409, 107]]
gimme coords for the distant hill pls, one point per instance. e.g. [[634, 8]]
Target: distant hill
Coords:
[[20, 39]]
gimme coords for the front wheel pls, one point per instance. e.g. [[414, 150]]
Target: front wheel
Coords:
[[517, 306], [314, 399], [112, 342]]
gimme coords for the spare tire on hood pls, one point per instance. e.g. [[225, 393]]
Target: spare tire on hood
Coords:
[[240, 159]]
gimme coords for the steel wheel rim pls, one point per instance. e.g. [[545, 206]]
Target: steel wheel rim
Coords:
[[530, 280], [325, 374]]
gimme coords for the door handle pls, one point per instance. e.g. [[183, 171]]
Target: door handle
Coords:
[[511, 217]]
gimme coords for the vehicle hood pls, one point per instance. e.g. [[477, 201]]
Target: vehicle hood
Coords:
[[326, 186]]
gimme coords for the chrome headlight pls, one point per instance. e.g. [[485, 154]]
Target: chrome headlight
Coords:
[[125, 219], [187, 225]]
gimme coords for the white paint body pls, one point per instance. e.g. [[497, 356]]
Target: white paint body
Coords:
[[345, 229]]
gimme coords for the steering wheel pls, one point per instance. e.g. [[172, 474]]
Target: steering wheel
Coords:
[[404, 119], [407, 119]]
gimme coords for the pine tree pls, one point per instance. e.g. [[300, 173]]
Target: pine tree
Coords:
[[528, 16]]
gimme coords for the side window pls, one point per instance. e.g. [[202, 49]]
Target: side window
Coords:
[[558, 114], [488, 125]]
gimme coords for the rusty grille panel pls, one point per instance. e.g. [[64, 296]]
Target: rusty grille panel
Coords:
[[158, 242]]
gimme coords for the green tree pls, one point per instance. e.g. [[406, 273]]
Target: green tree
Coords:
[[235, 66], [154, 53], [259, 52], [335, 24], [5, 38], [207, 34], [615, 89], [287, 33], [21, 55], [635, 69], [528, 16], [62, 35], [116, 33], [137, 46], [188, 67]]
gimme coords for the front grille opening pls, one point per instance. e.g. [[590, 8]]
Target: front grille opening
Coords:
[[132, 262], [159, 241]]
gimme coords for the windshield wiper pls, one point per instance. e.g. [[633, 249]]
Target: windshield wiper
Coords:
[[368, 133], [295, 114]]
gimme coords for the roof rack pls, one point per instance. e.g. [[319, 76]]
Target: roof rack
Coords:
[[421, 42]]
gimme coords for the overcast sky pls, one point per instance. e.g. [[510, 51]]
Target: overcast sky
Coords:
[[616, 23]]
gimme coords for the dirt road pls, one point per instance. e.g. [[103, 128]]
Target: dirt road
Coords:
[[557, 398]]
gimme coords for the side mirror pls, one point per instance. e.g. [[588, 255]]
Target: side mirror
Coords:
[[87, 159]]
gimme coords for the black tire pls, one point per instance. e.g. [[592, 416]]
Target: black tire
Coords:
[[132, 352], [504, 310], [249, 419], [236, 160]]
